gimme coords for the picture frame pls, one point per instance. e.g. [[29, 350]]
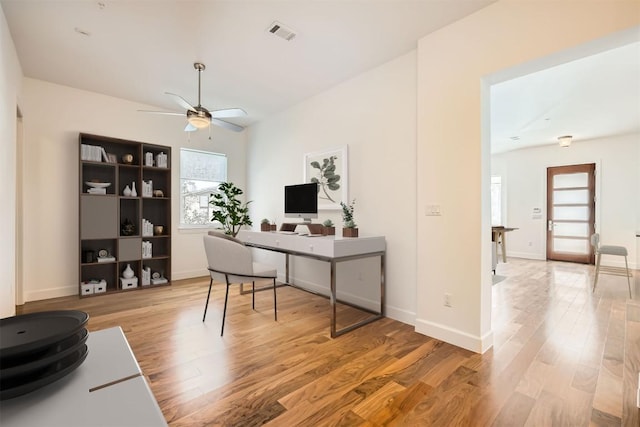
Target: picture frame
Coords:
[[330, 169]]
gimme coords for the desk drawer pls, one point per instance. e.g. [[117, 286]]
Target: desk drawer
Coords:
[[321, 246]]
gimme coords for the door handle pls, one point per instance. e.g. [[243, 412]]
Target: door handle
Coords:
[[550, 225]]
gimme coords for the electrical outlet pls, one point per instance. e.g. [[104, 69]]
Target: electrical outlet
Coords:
[[447, 300]]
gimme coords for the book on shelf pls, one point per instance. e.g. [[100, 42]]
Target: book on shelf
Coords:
[[147, 228], [147, 188], [162, 160], [97, 191], [93, 153], [106, 259], [147, 251], [146, 276]]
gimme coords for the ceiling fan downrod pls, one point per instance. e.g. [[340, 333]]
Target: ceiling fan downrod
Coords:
[[200, 67]]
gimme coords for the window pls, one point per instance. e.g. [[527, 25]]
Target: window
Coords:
[[496, 200], [200, 174]]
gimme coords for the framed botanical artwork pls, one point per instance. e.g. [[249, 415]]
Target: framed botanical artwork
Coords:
[[329, 168]]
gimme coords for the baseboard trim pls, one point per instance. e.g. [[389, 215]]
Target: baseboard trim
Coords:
[[525, 255], [400, 315], [189, 274], [41, 294], [454, 336]]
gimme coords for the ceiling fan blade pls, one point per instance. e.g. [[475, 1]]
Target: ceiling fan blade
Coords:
[[190, 128], [170, 113], [229, 112], [181, 101], [227, 125]]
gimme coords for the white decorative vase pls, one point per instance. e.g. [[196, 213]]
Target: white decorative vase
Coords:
[[134, 193], [128, 272], [127, 191]]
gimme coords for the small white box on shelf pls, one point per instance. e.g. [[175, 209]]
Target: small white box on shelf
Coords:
[[159, 281], [148, 159], [128, 283], [101, 287], [87, 288]]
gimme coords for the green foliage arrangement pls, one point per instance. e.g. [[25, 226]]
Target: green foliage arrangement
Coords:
[[347, 214], [327, 177], [228, 210], [265, 221], [328, 223]]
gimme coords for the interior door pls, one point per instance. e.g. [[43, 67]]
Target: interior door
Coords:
[[571, 212]]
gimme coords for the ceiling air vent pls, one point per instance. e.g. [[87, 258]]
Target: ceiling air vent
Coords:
[[281, 31]]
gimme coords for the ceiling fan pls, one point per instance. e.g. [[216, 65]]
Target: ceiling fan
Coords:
[[199, 117]]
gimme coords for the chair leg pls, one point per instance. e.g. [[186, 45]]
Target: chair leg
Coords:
[[275, 305], [224, 313], [207, 303], [628, 276], [253, 295], [595, 281]]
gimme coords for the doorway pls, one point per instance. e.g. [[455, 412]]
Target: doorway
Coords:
[[571, 212]]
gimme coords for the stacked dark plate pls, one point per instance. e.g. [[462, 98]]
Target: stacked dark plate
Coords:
[[39, 348]]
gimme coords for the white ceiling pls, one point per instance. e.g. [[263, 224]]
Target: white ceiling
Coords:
[[597, 96], [139, 49]]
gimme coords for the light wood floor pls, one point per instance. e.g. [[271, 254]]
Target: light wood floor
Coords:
[[562, 356]]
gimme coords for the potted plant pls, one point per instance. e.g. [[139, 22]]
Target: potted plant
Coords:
[[350, 229], [329, 229], [265, 225], [228, 210]]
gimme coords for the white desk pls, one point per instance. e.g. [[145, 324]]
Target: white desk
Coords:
[[332, 249], [120, 396]]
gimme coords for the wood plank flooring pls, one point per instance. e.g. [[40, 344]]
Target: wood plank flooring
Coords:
[[562, 356]]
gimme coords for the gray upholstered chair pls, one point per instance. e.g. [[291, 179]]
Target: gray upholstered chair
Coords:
[[230, 261], [610, 250]]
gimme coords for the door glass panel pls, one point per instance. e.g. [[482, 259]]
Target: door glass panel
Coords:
[[570, 196], [580, 213], [569, 180], [571, 229], [574, 246]]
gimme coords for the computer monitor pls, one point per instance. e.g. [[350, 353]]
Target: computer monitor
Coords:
[[301, 201]]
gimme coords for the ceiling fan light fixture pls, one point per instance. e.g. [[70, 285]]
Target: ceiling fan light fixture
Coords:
[[199, 122], [565, 141]]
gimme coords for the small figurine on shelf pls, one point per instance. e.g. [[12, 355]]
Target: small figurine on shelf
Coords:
[[127, 228]]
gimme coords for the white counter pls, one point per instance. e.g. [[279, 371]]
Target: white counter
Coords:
[[121, 395]]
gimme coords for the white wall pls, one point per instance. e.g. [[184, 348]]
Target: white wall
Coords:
[[617, 192], [54, 115], [10, 78], [455, 65], [374, 114]]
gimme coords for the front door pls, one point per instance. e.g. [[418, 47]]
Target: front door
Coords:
[[571, 212]]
